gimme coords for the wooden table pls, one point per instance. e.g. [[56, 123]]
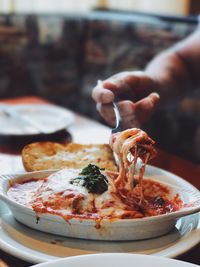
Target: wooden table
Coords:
[[87, 131]]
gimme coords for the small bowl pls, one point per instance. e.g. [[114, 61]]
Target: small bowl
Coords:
[[119, 229]]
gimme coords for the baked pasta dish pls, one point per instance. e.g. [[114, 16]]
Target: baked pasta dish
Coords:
[[96, 193]]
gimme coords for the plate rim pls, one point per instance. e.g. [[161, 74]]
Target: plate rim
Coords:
[[172, 251], [69, 113], [133, 256]]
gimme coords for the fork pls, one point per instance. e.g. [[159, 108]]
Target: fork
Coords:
[[118, 128], [118, 122], [118, 118]]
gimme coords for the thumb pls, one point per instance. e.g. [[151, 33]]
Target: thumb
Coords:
[[148, 103], [146, 107]]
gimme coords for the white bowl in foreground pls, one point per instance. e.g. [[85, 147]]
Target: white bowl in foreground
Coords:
[[121, 229], [116, 259]]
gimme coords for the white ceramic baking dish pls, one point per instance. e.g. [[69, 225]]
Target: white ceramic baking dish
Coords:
[[121, 229]]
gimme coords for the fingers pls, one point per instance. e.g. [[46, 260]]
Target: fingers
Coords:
[[102, 95], [145, 108], [107, 112], [133, 114], [122, 82], [108, 90], [132, 91], [128, 114], [148, 103], [124, 86]]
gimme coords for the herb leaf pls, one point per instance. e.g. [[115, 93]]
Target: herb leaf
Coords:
[[92, 179], [159, 201]]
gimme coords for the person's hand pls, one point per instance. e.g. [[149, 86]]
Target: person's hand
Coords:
[[134, 93]]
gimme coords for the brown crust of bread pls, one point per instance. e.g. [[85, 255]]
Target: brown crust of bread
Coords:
[[50, 155]]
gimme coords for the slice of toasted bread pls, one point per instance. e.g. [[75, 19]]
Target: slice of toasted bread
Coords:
[[49, 155]]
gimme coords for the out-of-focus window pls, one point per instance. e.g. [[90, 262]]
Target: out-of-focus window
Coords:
[[177, 7], [174, 7], [46, 6], [168, 7]]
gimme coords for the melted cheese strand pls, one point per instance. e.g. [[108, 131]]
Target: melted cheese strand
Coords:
[[138, 144]]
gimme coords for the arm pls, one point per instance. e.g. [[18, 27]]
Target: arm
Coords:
[[178, 68], [169, 74]]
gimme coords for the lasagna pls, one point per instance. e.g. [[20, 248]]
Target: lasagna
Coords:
[[96, 193]]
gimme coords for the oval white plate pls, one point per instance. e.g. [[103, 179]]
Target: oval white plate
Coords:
[[36, 246], [118, 230], [116, 259], [50, 117]]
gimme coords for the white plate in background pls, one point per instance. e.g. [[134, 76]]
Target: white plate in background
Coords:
[[116, 259], [34, 246], [49, 117]]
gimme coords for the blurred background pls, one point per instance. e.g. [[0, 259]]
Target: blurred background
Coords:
[[59, 49]]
